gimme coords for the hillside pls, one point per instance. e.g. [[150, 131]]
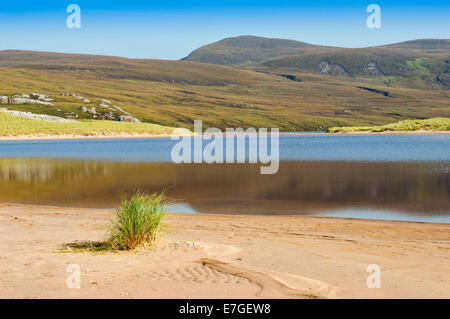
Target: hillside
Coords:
[[391, 66], [175, 93], [434, 124], [424, 45], [421, 64], [249, 50], [16, 126], [123, 68]]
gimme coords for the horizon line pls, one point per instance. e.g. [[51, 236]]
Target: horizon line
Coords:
[[231, 37]]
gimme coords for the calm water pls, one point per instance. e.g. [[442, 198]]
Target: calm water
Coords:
[[381, 177], [292, 148]]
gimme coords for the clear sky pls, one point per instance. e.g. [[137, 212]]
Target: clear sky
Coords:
[[172, 29]]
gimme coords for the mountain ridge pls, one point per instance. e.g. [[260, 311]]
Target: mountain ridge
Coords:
[[233, 50], [416, 63], [244, 49]]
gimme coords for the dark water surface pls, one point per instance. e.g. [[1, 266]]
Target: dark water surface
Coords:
[[383, 177]]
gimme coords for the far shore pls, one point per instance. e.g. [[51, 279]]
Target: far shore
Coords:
[[219, 256], [133, 136], [80, 137]]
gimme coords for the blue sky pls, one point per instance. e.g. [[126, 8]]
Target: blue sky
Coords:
[[172, 29]]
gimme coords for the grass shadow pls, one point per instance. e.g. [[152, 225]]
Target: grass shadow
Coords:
[[89, 246]]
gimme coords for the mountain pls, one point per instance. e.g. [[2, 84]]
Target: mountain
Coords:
[[249, 50], [420, 63]]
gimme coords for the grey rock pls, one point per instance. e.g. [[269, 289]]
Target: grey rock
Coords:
[[327, 68], [128, 118], [372, 69], [42, 102], [41, 117], [17, 100], [4, 99], [120, 110], [38, 96]]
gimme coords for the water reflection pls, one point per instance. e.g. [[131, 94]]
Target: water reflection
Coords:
[[414, 188]]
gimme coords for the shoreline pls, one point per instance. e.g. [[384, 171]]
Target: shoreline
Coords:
[[80, 137], [106, 209], [46, 137], [223, 256]]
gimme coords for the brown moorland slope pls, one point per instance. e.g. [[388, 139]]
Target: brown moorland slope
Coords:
[[175, 93]]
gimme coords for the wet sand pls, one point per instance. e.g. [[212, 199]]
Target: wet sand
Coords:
[[214, 256]]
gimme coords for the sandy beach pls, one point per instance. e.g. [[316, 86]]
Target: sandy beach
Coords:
[[127, 135], [212, 256], [45, 137]]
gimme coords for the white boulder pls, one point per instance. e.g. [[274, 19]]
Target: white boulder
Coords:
[[4, 99]]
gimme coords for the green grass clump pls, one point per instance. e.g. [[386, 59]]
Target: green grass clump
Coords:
[[137, 221], [433, 124], [14, 126]]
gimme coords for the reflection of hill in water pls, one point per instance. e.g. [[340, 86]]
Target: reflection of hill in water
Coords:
[[298, 187]]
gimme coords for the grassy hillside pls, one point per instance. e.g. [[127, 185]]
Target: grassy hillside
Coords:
[[131, 69], [391, 67], [415, 64], [175, 93], [13, 126], [424, 45], [249, 50], [434, 124]]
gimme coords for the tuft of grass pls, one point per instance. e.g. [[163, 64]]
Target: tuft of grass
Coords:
[[137, 221], [434, 124]]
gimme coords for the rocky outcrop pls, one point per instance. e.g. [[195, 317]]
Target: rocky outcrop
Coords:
[[21, 100], [109, 116], [41, 117], [128, 118], [4, 99], [33, 98], [38, 96], [335, 69], [112, 112], [443, 80], [372, 69]]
